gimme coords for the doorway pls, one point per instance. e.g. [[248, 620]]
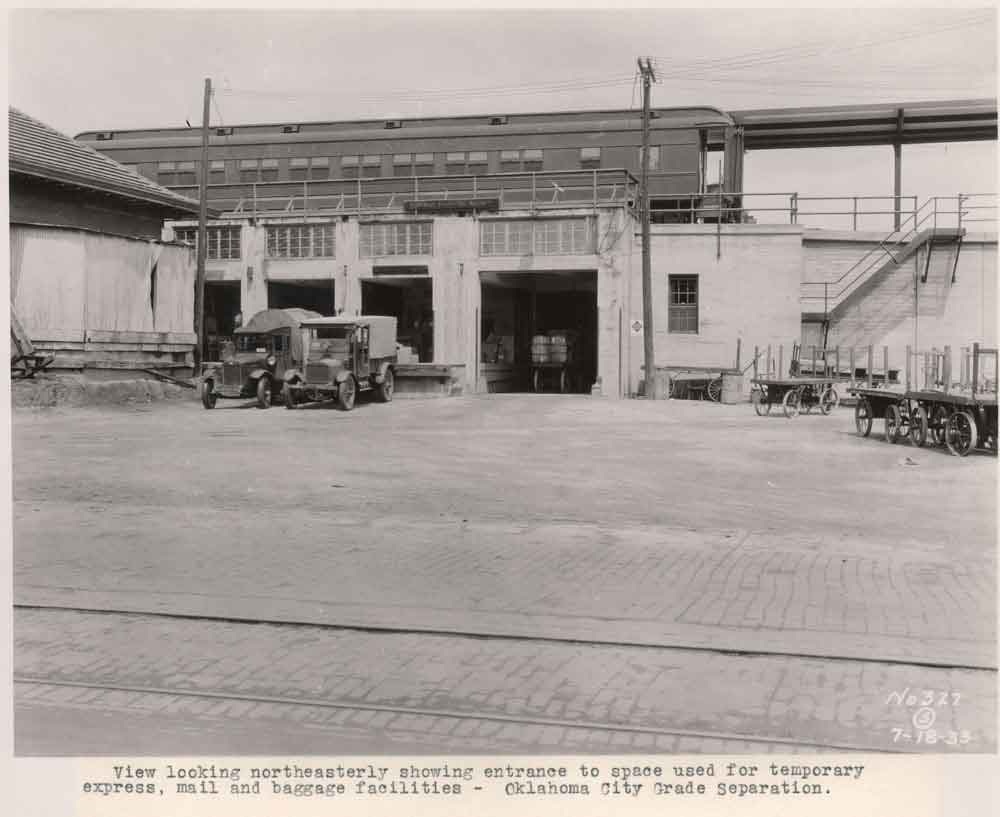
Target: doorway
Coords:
[[222, 306], [314, 295], [524, 312], [410, 300]]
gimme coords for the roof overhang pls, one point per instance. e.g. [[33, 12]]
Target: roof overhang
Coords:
[[884, 124], [175, 204]]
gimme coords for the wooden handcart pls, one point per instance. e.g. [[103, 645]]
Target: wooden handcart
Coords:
[[793, 394], [961, 420], [25, 361], [553, 362]]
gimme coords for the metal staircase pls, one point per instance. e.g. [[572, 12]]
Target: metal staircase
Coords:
[[822, 301]]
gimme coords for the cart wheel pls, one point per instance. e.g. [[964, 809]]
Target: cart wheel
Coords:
[[760, 402], [264, 392], [961, 433], [938, 422], [346, 393], [714, 389], [829, 400], [893, 424], [863, 416], [918, 426], [208, 395], [791, 403], [563, 382], [536, 381]]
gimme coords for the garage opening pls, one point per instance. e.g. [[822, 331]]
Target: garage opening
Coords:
[[539, 331], [222, 306], [410, 301], [314, 295]]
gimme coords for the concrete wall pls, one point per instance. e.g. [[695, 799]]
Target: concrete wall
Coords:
[[748, 290], [895, 309]]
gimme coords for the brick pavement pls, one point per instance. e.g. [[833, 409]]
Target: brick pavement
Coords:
[[455, 684]]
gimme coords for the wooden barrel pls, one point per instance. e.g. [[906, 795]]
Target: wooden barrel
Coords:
[[540, 348], [732, 389]]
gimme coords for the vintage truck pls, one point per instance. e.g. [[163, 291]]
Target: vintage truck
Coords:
[[254, 365], [343, 356]]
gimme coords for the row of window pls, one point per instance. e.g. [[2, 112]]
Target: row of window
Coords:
[[564, 236], [363, 166]]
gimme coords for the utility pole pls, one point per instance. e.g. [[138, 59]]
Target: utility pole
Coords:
[[649, 357], [199, 280]]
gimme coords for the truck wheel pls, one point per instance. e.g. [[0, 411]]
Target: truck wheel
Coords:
[[346, 393], [384, 390], [264, 393], [289, 396], [208, 395]]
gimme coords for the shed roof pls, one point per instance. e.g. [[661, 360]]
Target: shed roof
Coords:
[[40, 151]]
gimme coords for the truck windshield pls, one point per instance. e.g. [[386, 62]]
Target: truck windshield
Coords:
[[253, 343], [330, 341]]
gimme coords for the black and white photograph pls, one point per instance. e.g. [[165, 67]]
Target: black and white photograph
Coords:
[[505, 384]]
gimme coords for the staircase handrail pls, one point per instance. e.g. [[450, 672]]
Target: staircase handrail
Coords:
[[919, 218]]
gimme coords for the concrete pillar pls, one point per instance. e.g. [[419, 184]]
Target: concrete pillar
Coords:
[[253, 281]]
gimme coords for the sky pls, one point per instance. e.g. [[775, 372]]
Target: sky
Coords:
[[114, 69]]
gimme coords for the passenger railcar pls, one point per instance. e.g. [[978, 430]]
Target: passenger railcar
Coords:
[[686, 147]]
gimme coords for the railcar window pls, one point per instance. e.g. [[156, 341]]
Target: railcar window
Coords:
[[269, 170], [371, 166], [249, 170], [590, 158], [319, 167], [683, 309], [217, 172], [349, 167]]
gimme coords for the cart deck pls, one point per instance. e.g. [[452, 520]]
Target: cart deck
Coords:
[[794, 394], [961, 421]]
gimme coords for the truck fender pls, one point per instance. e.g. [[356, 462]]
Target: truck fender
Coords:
[[342, 375], [382, 369], [291, 375], [256, 374]]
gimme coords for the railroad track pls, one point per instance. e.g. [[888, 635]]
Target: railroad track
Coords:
[[977, 677]]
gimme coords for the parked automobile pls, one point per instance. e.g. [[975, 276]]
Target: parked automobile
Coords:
[[254, 364], [344, 356]]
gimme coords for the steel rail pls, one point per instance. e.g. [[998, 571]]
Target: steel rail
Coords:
[[442, 712], [455, 633]]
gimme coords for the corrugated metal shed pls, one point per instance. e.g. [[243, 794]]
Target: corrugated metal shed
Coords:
[[40, 151]]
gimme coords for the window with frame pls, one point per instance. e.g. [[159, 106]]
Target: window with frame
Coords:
[[249, 170], [217, 172], [520, 161], [555, 236], [301, 168], [683, 309], [349, 167], [269, 170], [472, 163], [223, 241], [396, 238], [371, 166], [413, 164], [590, 158], [186, 174], [301, 241]]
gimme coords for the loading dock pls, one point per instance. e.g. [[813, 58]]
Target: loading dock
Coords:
[[522, 314], [409, 299]]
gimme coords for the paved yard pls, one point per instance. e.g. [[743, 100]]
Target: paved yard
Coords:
[[675, 523], [647, 528]]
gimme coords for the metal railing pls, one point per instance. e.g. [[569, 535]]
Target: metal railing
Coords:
[[530, 190], [937, 212]]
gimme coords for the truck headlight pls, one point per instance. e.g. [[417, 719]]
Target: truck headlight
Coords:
[[271, 360]]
